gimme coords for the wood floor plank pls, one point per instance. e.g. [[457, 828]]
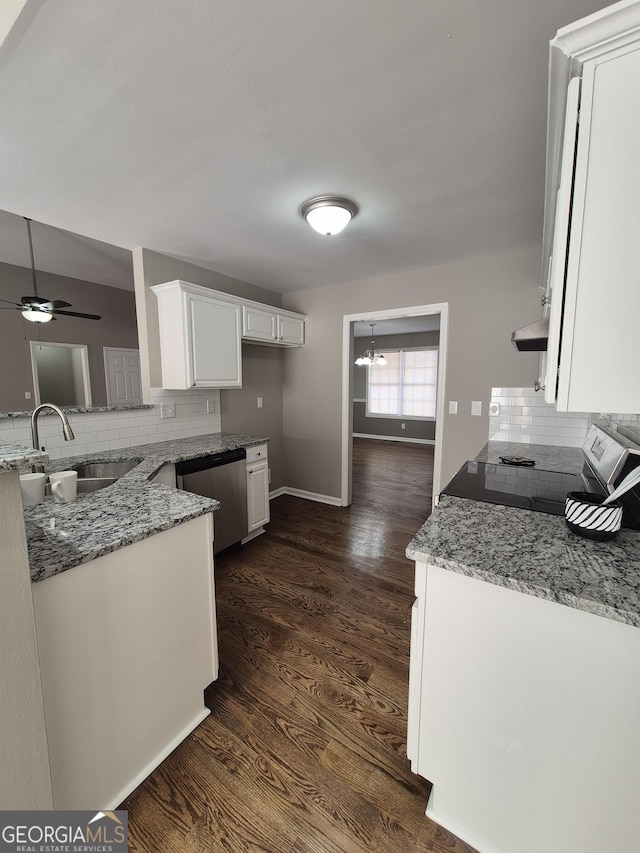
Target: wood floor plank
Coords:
[[305, 747]]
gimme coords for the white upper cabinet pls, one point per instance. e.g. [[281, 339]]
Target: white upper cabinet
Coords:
[[200, 337], [263, 324], [201, 334], [594, 344]]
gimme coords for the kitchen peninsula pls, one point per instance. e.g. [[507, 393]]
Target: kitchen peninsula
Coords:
[[130, 510], [124, 599], [524, 696]]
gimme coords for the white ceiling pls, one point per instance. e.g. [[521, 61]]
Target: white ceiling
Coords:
[[197, 128], [397, 326]]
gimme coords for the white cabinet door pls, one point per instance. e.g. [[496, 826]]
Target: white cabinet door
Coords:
[[259, 324], [600, 344], [257, 486], [215, 350], [558, 262], [291, 330], [200, 337]]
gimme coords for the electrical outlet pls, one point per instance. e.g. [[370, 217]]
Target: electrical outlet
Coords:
[[211, 407], [167, 410], [401, 426], [494, 409]]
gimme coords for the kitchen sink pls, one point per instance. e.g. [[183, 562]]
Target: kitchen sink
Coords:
[[89, 484], [104, 470]]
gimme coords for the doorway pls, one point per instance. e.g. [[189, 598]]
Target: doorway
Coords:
[[122, 376], [60, 373], [349, 321]]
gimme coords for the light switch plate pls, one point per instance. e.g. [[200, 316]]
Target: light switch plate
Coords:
[[476, 407], [453, 407]]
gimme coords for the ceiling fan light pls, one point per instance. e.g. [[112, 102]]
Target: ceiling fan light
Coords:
[[37, 316], [329, 215]]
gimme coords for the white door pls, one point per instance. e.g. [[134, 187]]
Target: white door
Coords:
[[122, 371]]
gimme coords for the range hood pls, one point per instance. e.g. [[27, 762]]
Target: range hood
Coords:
[[532, 338]]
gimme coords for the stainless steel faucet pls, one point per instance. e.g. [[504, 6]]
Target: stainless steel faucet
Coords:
[[66, 427]]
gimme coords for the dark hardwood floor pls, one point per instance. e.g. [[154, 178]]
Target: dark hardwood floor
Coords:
[[304, 749]]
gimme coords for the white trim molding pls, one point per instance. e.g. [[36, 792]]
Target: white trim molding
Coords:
[[395, 438], [308, 496], [441, 308]]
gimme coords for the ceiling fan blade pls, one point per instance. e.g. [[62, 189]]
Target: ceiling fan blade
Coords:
[[59, 303], [28, 301], [77, 314], [16, 304]]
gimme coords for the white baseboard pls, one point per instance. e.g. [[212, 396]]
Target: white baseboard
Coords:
[[157, 760], [396, 438], [308, 496], [254, 533]]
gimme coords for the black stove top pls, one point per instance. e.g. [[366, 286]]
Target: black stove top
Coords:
[[512, 485]]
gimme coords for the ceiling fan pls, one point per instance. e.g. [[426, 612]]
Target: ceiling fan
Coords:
[[35, 308]]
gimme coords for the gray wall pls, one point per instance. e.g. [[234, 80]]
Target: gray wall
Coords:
[[117, 328], [413, 429], [488, 297], [261, 365], [261, 377], [151, 268]]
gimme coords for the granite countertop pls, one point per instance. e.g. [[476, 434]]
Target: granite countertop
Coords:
[[17, 457], [127, 511], [533, 552]]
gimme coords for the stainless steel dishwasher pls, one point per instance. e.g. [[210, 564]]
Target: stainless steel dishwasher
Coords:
[[222, 476]]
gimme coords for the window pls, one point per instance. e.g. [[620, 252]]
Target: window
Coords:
[[406, 386]]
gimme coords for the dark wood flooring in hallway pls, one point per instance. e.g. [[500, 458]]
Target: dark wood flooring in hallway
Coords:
[[304, 750]]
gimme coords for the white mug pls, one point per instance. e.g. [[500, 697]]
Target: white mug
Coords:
[[64, 486], [32, 488]]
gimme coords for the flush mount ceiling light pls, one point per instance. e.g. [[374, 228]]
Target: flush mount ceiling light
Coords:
[[371, 356], [329, 214]]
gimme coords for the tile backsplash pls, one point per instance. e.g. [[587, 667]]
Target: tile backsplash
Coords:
[[96, 431], [526, 418]]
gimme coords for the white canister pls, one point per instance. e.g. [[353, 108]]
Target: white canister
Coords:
[[64, 486], [32, 488]]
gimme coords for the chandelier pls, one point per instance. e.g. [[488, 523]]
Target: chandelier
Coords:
[[371, 356]]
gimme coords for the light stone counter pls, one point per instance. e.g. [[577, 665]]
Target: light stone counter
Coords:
[[131, 509], [534, 553], [17, 457]]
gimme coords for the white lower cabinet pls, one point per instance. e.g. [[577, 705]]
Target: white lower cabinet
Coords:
[[127, 644], [257, 487], [523, 714]]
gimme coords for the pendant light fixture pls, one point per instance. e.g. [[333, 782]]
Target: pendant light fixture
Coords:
[[371, 356], [329, 214]]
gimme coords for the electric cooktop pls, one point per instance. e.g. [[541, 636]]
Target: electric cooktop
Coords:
[[523, 486]]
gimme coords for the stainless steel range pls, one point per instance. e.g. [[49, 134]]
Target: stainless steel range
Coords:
[[608, 458]]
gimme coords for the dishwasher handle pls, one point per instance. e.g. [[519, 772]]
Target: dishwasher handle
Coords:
[[214, 460]]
